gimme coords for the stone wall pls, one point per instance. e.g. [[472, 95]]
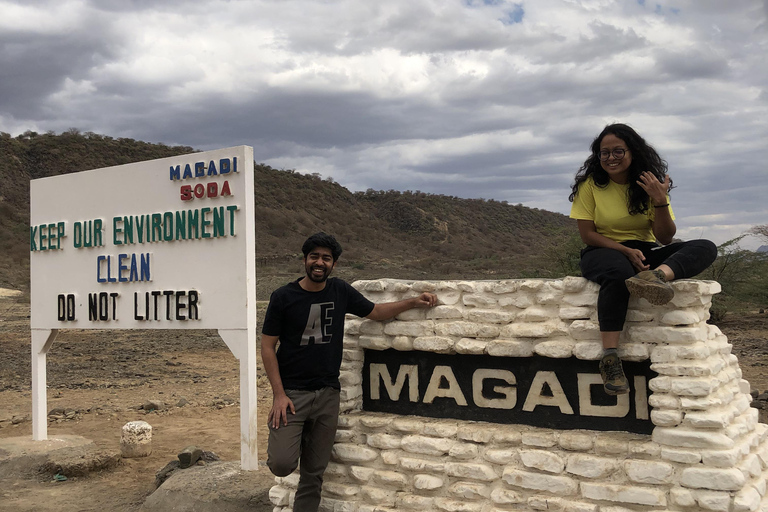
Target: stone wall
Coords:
[[707, 450]]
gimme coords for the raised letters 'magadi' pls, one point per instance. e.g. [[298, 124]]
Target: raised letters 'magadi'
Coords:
[[553, 393]]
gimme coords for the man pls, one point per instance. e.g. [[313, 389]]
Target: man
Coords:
[[307, 317]]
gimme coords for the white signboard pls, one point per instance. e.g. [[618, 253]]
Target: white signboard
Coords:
[[162, 244]]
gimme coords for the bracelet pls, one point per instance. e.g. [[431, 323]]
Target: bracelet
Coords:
[[660, 205]]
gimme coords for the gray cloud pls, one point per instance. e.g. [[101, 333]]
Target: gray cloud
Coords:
[[489, 99]]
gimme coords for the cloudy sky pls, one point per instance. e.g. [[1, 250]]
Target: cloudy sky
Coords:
[[472, 98]]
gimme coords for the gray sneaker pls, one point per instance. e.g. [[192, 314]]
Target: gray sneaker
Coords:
[[614, 380], [652, 286]]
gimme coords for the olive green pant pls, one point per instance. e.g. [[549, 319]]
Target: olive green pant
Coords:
[[308, 437]]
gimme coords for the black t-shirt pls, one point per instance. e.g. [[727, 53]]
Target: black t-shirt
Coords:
[[310, 326]]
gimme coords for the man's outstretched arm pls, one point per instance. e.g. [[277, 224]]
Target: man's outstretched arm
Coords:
[[387, 310]]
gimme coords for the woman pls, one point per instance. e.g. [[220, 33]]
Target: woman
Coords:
[[621, 203]]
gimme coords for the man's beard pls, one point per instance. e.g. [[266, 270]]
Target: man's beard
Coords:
[[317, 278]]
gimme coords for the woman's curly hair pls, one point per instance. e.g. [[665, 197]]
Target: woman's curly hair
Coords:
[[644, 158]]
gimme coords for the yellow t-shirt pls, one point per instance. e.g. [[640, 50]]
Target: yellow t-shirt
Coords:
[[607, 208]]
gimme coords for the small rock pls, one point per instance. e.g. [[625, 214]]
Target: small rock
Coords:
[[153, 405], [182, 402], [189, 456]]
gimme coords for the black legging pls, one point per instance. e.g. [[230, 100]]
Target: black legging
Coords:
[[610, 268]]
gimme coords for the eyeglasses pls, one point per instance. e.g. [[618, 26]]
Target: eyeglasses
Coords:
[[618, 154]]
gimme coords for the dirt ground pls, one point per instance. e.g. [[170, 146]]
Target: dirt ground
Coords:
[[101, 378]]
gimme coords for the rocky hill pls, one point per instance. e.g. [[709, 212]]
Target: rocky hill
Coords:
[[384, 233]]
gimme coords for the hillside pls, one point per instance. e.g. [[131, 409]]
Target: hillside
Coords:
[[384, 233]]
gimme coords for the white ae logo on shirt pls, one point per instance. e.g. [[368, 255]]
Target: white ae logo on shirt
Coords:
[[319, 323]]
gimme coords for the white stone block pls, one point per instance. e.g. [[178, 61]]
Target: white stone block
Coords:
[[506, 286], [634, 352], [402, 343], [750, 466], [547, 503], [427, 445], [375, 342], [611, 445], [413, 502], [412, 315], [649, 449], [711, 500], [384, 441], [747, 500], [716, 418], [588, 350], [378, 496], [520, 300], [682, 497], [375, 421], [436, 344], [407, 425], [581, 330], [680, 455], [469, 490], [550, 293], [533, 330], [542, 460], [555, 484], [649, 472], [472, 471], [624, 494], [466, 330], [537, 314], [638, 315], [502, 496], [680, 317], [475, 433], [279, 495], [575, 312], [685, 438], [575, 506], [573, 284], [463, 451], [371, 327], [415, 329], [445, 313], [492, 316], [353, 453], [589, 466], [340, 490], [697, 386], [586, 298], [555, 349], [478, 300], [441, 428], [501, 456], [391, 457], [136, 439], [470, 346], [576, 441], [513, 436], [390, 479], [449, 505], [361, 473], [510, 348], [712, 478], [415, 464], [661, 401], [666, 417], [424, 482], [540, 438]]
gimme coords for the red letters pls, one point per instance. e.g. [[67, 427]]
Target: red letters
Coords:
[[200, 191]]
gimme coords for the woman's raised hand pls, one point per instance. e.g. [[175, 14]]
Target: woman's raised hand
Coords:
[[655, 189]]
